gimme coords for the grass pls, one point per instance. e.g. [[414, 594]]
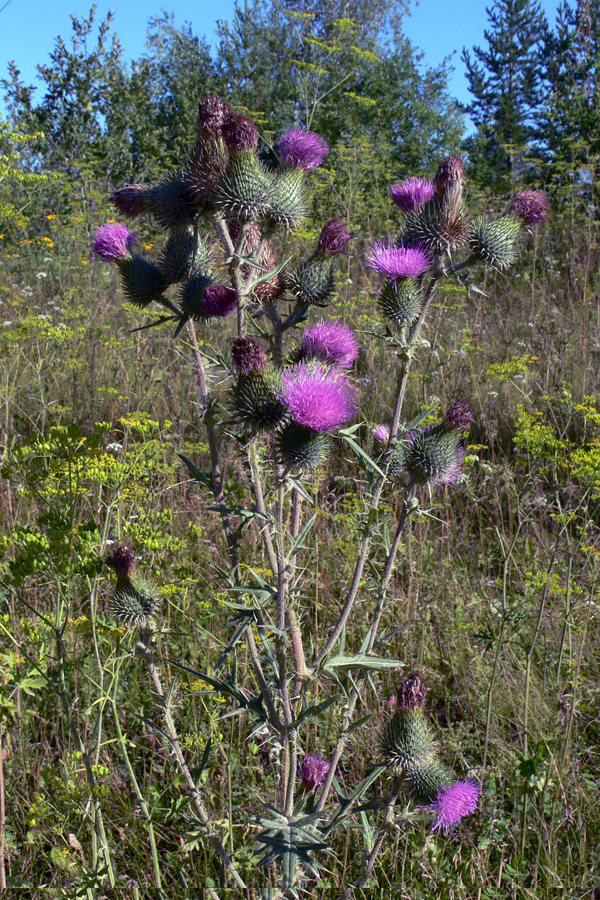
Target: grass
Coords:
[[494, 596]]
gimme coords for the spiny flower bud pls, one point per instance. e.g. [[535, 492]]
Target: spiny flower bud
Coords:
[[449, 176], [300, 149], [248, 356], [172, 202], [131, 200], [319, 398], [240, 133], [212, 114], [438, 227], [331, 342], [453, 803], [135, 602], [460, 416], [121, 561], [256, 399], [287, 205], [407, 743], [183, 254], [313, 772], [301, 449], [412, 193], [142, 281], [334, 238], [201, 298], [312, 281], [244, 191], [433, 456], [494, 241], [397, 262], [401, 301], [531, 207], [113, 241]]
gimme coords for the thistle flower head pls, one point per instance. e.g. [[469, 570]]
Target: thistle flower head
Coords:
[[381, 434], [135, 602], [131, 200], [113, 241], [531, 207], [334, 237], [313, 772], [300, 449], [412, 193], [248, 356], [300, 149], [412, 692], [318, 397], [240, 133], [453, 803], [218, 301], [460, 416], [433, 456], [121, 561], [397, 262], [331, 342], [212, 114], [450, 175]]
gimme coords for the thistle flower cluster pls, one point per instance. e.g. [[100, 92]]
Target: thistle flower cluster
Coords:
[[408, 747], [135, 601]]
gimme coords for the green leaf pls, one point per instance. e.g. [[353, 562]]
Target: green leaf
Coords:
[[337, 664], [206, 480], [362, 454]]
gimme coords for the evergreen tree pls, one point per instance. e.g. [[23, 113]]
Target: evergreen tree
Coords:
[[506, 80]]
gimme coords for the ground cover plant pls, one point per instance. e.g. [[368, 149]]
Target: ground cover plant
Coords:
[[302, 542]]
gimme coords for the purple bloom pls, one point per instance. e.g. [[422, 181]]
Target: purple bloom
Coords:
[[381, 434], [113, 241], [412, 692], [300, 149], [121, 561], [532, 207], [218, 301], [453, 803], [412, 193], [313, 772], [130, 200], [248, 356], [333, 238], [397, 262], [331, 342], [240, 132], [460, 416], [318, 398]]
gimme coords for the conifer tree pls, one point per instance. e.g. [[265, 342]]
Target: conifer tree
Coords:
[[507, 85]]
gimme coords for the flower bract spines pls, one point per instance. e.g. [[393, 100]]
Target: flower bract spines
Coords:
[[494, 240], [135, 602], [172, 203], [407, 741], [312, 282], [300, 449], [183, 254], [257, 401], [401, 301], [287, 204], [433, 456], [142, 281], [245, 188]]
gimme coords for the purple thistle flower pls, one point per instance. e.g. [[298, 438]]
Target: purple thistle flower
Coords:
[[218, 301], [130, 200], [313, 772], [249, 358], [397, 262], [453, 803], [121, 561], [412, 692], [318, 398], [300, 149], [532, 207], [333, 238], [240, 132], [381, 434], [460, 416], [331, 342], [212, 114], [113, 241], [412, 193]]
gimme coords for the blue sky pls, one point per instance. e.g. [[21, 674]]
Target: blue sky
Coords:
[[440, 28]]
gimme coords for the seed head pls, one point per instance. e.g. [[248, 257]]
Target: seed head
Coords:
[[113, 241], [412, 193], [300, 149]]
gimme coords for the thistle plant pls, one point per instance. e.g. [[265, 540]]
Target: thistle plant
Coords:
[[289, 403]]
